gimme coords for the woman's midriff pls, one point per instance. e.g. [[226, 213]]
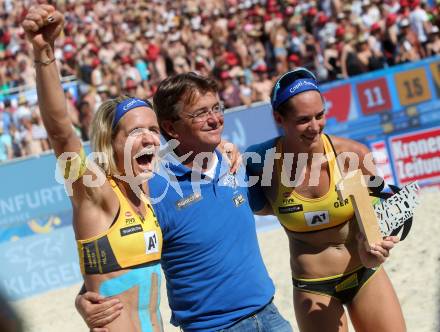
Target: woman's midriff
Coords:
[[129, 318], [324, 253]]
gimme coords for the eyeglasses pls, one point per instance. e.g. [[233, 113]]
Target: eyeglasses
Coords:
[[202, 115]]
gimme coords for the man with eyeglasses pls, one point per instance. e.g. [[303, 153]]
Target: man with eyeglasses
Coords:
[[216, 278]]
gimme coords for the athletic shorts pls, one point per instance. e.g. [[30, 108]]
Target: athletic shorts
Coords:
[[344, 287]]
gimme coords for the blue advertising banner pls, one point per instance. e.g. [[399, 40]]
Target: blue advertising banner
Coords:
[[31, 201], [31, 94], [396, 112], [38, 263], [250, 126]]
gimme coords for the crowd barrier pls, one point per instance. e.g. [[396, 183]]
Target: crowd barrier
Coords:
[[396, 112], [14, 95]]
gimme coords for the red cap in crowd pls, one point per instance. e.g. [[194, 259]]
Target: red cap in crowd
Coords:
[[404, 3], [232, 24], [375, 27], [312, 11], [391, 19], [68, 27], [340, 31], [267, 17], [261, 68], [272, 8], [279, 15], [153, 52], [252, 12], [130, 84], [5, 38], [95, 62], [294, 59], [321, 19], [68, 51], [68, 55], [414, 3], [290, 10], [69, 40], [126, 60], [224, 75], [231, 58], [94, 49]]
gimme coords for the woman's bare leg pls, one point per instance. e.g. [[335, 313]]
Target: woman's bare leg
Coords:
[[376, 306], [317, 313]]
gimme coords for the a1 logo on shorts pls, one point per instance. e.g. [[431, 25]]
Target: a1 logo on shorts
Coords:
[[317, 218], [151, 245]]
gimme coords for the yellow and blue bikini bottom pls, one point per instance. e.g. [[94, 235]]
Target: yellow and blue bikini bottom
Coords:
[[343, 287]]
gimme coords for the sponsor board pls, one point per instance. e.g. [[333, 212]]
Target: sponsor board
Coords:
[[38, 263], [374, 96], [412, 86], [31, 200], [338, 102], [382, 161], [416, 156]]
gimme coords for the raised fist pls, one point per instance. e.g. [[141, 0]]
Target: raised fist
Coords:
[[43, 25]]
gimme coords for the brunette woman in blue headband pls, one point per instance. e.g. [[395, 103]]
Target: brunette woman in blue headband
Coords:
[[119, 239], [331, 267]]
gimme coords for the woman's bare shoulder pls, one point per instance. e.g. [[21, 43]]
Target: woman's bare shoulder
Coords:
[[343, 144]]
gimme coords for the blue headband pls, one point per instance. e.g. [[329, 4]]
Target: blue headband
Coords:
[[127, 105], [296, 87]]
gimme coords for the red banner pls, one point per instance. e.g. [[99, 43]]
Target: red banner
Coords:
[[416, 155], [374, 96], [338, 102]]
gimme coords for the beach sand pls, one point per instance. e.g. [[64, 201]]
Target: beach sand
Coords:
[[414, 268]]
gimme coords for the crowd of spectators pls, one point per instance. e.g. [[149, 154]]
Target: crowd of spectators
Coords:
[[129, 46]]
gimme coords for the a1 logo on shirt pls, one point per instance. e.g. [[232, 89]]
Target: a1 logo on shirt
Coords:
[[151, 245], [316, 218]]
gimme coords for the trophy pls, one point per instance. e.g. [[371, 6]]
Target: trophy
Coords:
[[388, 217]]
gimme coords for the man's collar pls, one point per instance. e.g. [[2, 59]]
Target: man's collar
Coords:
[[180, 170]]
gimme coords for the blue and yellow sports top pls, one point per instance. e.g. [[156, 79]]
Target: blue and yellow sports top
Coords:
[[130, 241], [302, 214]]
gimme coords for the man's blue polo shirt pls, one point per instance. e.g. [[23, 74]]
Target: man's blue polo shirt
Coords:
[[212, 263]]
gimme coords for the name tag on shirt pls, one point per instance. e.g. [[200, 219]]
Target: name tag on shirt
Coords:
[[186, 201]]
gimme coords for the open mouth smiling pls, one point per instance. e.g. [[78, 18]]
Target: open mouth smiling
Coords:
[[144, 158]]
